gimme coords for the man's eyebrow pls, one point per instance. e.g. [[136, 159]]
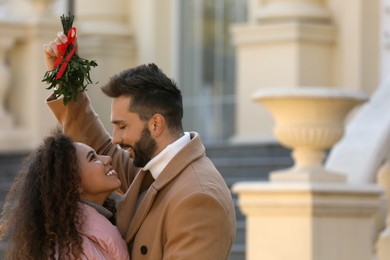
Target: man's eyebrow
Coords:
[[117, 121]]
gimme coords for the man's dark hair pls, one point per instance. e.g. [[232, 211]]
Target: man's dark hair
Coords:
[[151, 91]]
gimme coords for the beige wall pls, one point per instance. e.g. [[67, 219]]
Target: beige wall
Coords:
[[153, 24], [356, 57]]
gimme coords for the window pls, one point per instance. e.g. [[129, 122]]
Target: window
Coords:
[[207, 65], [385, 39]]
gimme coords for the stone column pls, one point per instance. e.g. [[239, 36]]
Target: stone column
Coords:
[[288, 43], [102, 17], [105, 35]]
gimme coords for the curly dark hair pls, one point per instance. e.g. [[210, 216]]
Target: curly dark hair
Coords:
[[151, 91], [41, 214]]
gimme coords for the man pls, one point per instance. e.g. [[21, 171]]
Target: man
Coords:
[[187, 212]]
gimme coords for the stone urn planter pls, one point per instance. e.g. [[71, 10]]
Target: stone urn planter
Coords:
[[308, 120]]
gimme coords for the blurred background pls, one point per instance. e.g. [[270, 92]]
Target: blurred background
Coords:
[[219, 52]]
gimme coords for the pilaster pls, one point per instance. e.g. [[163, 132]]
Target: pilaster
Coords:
[[105, 35], [288, 43]]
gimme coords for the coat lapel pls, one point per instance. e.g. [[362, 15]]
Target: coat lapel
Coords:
[[141, 213], [134, 220], [128, 203]]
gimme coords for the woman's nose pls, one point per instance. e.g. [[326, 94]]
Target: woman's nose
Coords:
[[106, 159]]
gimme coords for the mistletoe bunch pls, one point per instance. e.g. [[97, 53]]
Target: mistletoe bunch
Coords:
[[70, 72]]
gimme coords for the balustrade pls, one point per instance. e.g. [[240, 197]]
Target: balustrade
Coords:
[[12, 138], [24, 27]]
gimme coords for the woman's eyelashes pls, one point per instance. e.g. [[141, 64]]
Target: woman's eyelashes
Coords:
[[91, 156]]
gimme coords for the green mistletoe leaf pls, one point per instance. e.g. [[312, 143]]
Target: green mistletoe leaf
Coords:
[[76, 76]]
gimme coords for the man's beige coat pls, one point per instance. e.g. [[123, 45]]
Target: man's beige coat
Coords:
[[187, 213]]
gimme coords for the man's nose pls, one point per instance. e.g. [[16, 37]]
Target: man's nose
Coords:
[[115, 137]]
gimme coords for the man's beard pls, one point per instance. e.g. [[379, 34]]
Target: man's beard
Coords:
[[144, 148]]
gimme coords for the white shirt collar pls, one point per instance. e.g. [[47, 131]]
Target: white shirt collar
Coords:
[[157, 164]]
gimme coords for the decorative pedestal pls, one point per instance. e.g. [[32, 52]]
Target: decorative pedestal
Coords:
[[308, 221], [309, 120]]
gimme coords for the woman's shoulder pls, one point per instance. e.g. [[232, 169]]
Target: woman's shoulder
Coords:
[[99, 234]]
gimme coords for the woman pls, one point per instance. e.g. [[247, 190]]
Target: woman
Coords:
[[59, 205]]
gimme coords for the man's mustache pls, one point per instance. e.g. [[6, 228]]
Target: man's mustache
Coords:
[[125, 146]]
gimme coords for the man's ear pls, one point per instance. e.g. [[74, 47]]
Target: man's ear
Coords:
[[157, 124]]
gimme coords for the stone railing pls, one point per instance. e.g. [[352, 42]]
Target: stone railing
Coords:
[[363, 155], [11, 137], [24, 27]]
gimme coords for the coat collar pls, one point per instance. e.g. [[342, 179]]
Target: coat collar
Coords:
[[191, 152]]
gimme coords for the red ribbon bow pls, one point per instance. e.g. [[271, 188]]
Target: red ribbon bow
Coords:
[[62, 49]]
